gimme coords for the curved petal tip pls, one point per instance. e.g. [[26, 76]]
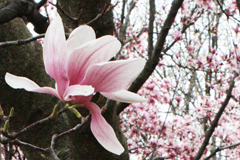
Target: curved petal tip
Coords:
[[18, 82], [102, 131]]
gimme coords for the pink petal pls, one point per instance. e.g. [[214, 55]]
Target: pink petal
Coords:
[[54, 53], [18, 82], [124, 96], [96, 51], [79, 36], [77, 90], [102, 131], [114, 75]]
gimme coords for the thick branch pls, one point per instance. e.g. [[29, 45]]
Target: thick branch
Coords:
[[40, 22], [123, 12], [40, 4], [13, 10], [24, 8], [153, 61], [215, 121], [150, 28]]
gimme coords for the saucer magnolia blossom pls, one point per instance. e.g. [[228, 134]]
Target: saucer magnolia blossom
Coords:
[[81, 67]]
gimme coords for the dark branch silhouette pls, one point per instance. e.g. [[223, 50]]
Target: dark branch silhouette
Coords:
[[26, 9], [220, 149], [21, 42], [152, 10]]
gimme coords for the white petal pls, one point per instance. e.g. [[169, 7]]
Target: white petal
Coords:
[[124, 96], [18, 82], [79, 36], [78, 90]]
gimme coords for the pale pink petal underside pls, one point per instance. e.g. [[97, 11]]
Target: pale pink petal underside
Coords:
[[79, 36], [114, 75], [18, 82], [102, 131], [78, 90], [54, 53], [124, 96], [96, 51]]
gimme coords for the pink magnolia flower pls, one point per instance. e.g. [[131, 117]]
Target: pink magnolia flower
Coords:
[[81, 67]]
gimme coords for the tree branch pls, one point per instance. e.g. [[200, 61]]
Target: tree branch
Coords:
[[216, 119], [13, 10], [107, 8], [24, 41], [40, 4], [153, 60], [123, 29], [220, 149], [36, 148], [21, 42], [123, 12], [48, 151], [150, 28], [227, 15], [78, 127], [20, 8]]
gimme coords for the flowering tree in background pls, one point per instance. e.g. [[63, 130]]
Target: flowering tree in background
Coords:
[[191, 81], [193, 101]]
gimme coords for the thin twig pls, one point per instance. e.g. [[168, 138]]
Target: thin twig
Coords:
[[220, 149], [183, 31], [21, 42], [123, 27], [100, 15], [48, 151], [58, 6], [78, 127], [14, 135], [24, 41], [36, 148], [227, 15]]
